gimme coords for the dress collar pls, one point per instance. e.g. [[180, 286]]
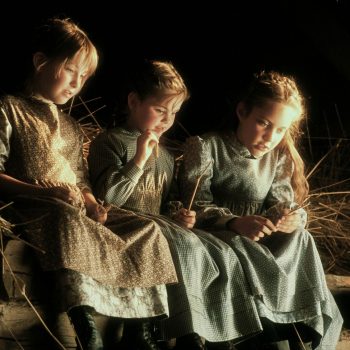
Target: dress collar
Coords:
[[238, 147]]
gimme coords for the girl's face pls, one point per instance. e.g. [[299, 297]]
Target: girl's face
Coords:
[[58, 83], [155, 113], [263, 128]]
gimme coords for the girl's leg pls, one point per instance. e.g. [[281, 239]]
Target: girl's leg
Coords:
[[85, 328], [139, 334]]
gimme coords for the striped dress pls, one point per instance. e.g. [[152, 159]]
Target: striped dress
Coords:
[[283, 272]]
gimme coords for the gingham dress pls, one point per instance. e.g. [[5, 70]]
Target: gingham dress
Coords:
[[212, 297], [283, 273]]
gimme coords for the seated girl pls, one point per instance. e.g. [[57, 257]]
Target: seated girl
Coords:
[[248, 196], [118, 271]]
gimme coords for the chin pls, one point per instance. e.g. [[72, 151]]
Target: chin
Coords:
[[258, 154]]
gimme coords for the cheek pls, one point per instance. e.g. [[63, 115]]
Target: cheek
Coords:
[[147, 116], [255, 131]]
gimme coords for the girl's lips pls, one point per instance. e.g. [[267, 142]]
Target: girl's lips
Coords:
[[262, 147]]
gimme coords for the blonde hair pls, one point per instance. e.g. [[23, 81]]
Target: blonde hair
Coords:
[[156, 77], [273, 86], [61, 40]]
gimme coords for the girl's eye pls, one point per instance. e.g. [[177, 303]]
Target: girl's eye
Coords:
[[280, 130], [263, 123], [69, 69], [160, 111]]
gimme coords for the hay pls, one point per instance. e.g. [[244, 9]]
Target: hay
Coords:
[[329, 209]]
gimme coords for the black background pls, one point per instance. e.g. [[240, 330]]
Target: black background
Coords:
[[214, 47]]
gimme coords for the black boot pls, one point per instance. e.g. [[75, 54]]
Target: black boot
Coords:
[[85, 328], [224, 345], [190, 341], [139, 335]]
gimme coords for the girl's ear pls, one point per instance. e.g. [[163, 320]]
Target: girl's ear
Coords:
[[241, 111], [133, 100], [39, 60]]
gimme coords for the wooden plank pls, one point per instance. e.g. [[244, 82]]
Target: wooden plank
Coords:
[[344, 342], [23, 263], [21, 257], [338, 283], [19, 318]]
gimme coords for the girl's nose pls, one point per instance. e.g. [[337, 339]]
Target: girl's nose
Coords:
[[76, 81], [269, 135]]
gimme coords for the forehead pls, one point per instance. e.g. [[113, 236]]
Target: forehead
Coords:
[[79, 60], [169, 100], [278, 114]]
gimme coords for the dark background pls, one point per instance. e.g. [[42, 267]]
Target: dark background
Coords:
[[213, 46]]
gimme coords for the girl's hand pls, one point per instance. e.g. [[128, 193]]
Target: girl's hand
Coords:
[[62, 193], [96, 212], [252, 226], [289, 222], [186, 218], [145, 145]]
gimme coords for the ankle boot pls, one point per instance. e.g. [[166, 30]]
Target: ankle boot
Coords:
[[190, 341], [139, 336], [224, 345], [85, 328]]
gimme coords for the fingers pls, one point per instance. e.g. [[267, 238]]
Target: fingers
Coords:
[[268, 226], [289, 223], [151, 138], [186, 218], [185, 212]]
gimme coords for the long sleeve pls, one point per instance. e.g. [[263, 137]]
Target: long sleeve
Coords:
[[113, 177], [281, 193], [5, 135], [198, 161]]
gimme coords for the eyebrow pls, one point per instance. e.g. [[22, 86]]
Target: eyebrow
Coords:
[[270, 123], [161, 106]]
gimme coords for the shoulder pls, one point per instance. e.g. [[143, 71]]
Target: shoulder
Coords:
[[7, 101], [205, 142], [111, 138]]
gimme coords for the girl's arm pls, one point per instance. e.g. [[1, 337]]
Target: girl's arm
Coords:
[[113, 178], [198, 161], [10, 186]]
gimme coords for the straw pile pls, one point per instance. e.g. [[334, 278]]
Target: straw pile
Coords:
[[329, 209]]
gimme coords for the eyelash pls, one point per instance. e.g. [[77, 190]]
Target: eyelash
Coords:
[[263, 123]]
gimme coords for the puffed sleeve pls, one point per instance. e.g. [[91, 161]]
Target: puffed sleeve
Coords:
[[112, 178], [5, 135], [198, 161], [281, 193]]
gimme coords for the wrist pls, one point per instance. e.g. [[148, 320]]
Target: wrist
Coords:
[[138, 161], [230, 225]]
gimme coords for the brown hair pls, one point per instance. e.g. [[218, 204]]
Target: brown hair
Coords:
[[149, 78], [273, 86], [61, 40]]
